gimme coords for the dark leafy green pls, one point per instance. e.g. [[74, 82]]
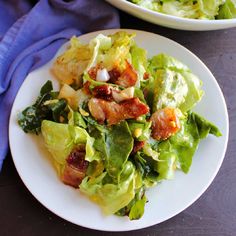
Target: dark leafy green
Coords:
[[47, 106]]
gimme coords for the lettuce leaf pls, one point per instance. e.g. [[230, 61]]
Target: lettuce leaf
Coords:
[[109, 195], [141, 130], [118, 53], [209, 8], [61, 139], [180, 148], [114, 143], [199, 9], [172, 84], [119, 144], [139, 61], [227, 10], [135, 208]]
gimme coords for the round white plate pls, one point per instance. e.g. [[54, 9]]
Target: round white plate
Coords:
[[172, 21], [165, 200]]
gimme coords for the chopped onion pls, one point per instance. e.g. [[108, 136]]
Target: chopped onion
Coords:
[[102, 75]]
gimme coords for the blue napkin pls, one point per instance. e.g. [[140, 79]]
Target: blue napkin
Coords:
[[34, 39]]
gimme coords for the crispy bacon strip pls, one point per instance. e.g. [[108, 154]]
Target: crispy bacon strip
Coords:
[[127, 78], [165, 123], [75, 168], [103, 92], [86, 88], [114, 75], [138, 145], [146, 76], [114, 112]]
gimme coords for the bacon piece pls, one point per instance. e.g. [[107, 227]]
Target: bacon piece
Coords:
[[114, 112], [86, 88], [128, 77], [75, 168], [93, 71], [146, 76], [138, 145], [133, 108], [114, 75], [103, 92], [165, 123]]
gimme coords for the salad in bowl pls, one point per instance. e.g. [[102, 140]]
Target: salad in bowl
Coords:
[[120, 123], [193, 9]]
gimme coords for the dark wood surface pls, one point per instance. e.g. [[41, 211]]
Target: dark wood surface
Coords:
[[213, 214]]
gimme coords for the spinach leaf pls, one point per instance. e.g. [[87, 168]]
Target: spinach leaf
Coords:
[[45, 107]]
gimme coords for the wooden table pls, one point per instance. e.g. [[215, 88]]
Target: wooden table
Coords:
[[213, 214]]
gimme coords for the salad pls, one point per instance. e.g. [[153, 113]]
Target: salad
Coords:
[[120, 122], [194, 9]]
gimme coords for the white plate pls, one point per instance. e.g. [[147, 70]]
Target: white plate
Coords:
[[172, 21], [167, 199]]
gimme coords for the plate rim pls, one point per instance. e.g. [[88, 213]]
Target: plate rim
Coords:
[[11, 118]]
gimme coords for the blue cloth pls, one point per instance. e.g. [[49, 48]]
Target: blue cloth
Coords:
[[10, 11], [34, 39]]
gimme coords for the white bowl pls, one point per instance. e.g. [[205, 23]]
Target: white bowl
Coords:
[[172, 21]]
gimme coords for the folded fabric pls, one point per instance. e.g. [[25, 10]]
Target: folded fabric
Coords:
[[34, 39], [10, 11]]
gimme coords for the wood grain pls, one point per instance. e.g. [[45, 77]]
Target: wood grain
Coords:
[[214, 214]]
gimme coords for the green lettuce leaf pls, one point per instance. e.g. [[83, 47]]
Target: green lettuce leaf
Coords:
[[135, 208], [172, 84], [199, 9], [61, 139], [182, 146], [76, 119], [110, 195], [147, 167], [209, 8], [141, 130], [98, 45], [114, 144], [119, 144], [139, 61], [227, 10], [118, 53]]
